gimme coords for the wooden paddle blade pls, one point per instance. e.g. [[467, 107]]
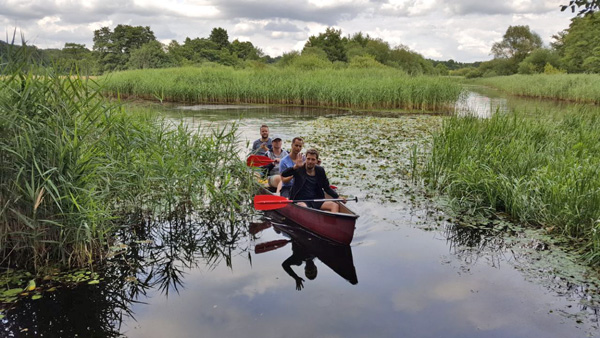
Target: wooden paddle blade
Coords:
[[268, 246], [270, 202], [258, 161]]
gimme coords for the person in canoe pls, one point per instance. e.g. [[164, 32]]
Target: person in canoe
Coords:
[[261, 147], [288, 162], [264, 144], [276, 154], [310, 182]]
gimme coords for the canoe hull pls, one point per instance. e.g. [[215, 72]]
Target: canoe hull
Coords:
[[338, 227]]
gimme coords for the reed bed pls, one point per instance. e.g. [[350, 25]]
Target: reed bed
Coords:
[[543, 171], [568, 87], [344, 88], [73, 167]]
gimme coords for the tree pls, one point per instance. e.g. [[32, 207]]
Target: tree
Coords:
[[112, 48], [331, 42], [589, 6], [516, 44], [411, 62], [441, 69], [198, 50], [125, 38], [366, 61], [150, 55], [287, 58], [535, 62], [378, 49], [579, 46], [75, 51], [245, 50], [220, 37]]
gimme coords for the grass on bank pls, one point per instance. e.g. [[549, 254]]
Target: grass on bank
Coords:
[[543, 170], [73, 166], [372, 88], [568, 87]]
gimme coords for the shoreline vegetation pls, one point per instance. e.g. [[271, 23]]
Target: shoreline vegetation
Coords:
[[73, 164], [372, 88], [579, 88], [74, 167], [542, 170]]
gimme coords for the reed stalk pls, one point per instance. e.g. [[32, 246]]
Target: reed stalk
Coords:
[[543, 170], [73, 166]]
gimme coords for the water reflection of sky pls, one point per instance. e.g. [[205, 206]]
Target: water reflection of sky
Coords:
[[478, 105], [409, 284]]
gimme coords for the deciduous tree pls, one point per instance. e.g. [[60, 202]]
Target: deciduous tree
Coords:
[[331, 42], [517, 43], [584, 6], [580, 45], [220, 37]]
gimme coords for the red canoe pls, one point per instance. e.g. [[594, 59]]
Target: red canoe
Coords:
[[338, 227]]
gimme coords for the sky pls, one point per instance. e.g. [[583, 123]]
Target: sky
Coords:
[[462, 30]]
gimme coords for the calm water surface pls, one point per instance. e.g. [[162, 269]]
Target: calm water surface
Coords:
[[407, 273]]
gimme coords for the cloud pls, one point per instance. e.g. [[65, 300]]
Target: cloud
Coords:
[[463, 30], [407, 7], [282, 26], [328, 14], [465, 7]]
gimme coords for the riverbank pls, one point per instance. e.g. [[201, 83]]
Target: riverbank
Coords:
[[366, 89], [74, 166], [540, 170], [580, 88]]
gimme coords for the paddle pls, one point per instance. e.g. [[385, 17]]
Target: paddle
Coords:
[[258, 161], [255, 228], [271, 202], [272, 245]]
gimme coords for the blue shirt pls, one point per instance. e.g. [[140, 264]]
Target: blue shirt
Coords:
[[283, 165]]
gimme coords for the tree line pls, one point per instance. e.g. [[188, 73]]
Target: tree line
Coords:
[[136, 47], [573, 50]]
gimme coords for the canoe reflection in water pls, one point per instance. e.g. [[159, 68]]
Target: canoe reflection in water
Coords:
[[305, 248]]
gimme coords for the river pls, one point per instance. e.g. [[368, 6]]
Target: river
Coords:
[[409, 272]]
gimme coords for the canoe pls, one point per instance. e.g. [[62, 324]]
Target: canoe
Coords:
[[338, 227]]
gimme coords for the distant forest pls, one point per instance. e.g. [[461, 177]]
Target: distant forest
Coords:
[[574, 50]]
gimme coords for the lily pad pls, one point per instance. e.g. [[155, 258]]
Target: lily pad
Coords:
[[12, 292]]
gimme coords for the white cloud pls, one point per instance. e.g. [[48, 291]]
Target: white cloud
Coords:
[[441, 29]]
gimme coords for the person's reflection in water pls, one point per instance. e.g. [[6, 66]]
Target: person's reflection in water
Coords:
[[299, 255]]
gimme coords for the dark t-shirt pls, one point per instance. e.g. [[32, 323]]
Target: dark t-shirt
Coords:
[[309, 190]]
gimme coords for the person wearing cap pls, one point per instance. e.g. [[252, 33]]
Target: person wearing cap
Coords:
[[276, 154]]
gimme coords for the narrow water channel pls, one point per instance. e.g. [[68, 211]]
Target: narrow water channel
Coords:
[[409, 272]]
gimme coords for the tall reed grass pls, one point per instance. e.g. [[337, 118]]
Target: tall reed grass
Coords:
[[569, 87], [544, 170], [342, 88], [73, 166]]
